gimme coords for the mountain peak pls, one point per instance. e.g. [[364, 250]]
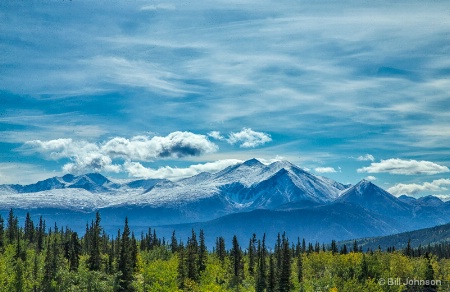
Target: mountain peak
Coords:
[[252, 162]]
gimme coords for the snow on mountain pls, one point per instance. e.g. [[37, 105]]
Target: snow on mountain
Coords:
[[247, 185], [373, 198]]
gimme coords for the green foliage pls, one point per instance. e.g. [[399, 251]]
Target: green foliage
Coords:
[[61, 261]]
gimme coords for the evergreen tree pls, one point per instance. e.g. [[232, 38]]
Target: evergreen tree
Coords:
[[2, 234], [29, 228], [333, 247], [284, 282], [12, 227], [134, 251], [408, 251], [300, 268], [181, 269], [94, 260], [40, 235], [237, 263], [220, 248], [355, 246], [261, 266], [125, 260], [192, 258], [202, 253], [252, 255], [50, 263], [173, 243], [271, 280], [72, 251]]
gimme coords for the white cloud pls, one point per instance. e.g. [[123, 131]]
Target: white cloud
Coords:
[[175, 145], [371, 178], [247, 138], [86, 156], [367, 157], [412, 189], [325, 169], [407, 167], [216, 135], [136, 169]]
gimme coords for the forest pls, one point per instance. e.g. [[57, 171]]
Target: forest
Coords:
[[37, 257]]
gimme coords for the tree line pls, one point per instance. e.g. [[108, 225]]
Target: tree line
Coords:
[[36, 257]]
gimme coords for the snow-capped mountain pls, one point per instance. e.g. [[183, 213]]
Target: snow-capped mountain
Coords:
[[374, 198], [279, 195]]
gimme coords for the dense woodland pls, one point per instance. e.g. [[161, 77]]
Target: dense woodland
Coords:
[[36, 257]]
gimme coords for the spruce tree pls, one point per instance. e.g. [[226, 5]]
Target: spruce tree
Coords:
[[252, 255], [220, 249], [202, 253], [173, 243], [284, 282], [192, 258], [300, 268], [94, 260], [237, 263], [181, 269], [29, 228], [261, 273], [271, 279], [125, 260], [2, 234], [12, 227], [72, 251]]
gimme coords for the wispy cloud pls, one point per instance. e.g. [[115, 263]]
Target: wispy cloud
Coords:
[[407, 167]]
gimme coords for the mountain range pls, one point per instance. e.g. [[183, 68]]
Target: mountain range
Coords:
[[244, 198]]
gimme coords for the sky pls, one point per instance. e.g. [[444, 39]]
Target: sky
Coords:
[[349, 90]]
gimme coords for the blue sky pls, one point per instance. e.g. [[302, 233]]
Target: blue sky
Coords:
[[345, 89]]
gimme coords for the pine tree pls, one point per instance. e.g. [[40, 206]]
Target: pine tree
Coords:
[[237, 263], [2, 234], [125, 260], [173, 243], [202, 253], [333, 247], [192, 258], [260, 283], [181, 269], [220, 249], [29, 228], [284, 283], [300, 268], [252, 255], [94, 260], [271, 280], [72, 251], [355, 246], [408, 251], [12, 227], [50, 263], [40, 235]]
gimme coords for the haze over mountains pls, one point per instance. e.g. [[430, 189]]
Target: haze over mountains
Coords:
[[242, 199]]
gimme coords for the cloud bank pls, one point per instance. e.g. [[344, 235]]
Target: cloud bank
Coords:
[[136, 169], [406, 167], [413, 189], [86, 156]]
